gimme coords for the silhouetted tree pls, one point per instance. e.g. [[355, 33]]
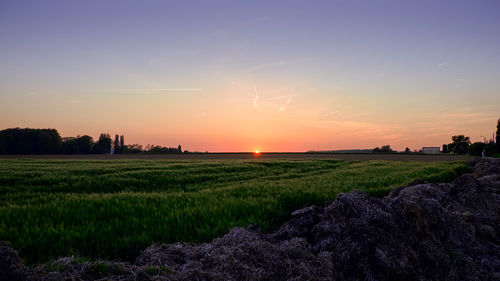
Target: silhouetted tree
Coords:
[[30, 141], [497, 139], [122, 143], [116, 145], [157, 149], [133, 148], [407, 150], [84, 144], [4, 143], [477, 148], [384, 149], [105, 141], [460, 144], [70, 146], [103, 145], [490, 148]]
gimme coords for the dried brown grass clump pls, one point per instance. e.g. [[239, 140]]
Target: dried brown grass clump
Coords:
[[11, 266]]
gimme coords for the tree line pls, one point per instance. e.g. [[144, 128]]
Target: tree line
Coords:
[[48, 141], [460, 144]]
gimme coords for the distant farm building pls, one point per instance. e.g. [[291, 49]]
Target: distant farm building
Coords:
[[431, 150]]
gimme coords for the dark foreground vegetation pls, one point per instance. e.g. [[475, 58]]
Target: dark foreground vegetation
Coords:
[[422, 231], [114, 209]]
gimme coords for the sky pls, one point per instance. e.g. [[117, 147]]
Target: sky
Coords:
[[253, 75]]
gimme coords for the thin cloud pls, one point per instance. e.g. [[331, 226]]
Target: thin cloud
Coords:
[[158, 90], [288, 101], [337, 112], [277, 98], [331, 113], [443, 63]]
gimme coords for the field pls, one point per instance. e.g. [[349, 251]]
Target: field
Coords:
[[115, 208]]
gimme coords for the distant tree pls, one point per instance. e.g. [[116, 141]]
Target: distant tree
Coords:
[[497, 139], [122, 143], [460, 144], [116, 145], [157, 149], [85, 144], [48, 141], [407, 150], [97, 149], [477, 148], [30, 141], [70, 146], [4, 142], [132, 148], [384, 149], [105, 141], [103, 145], [490, 148], [445, 148]]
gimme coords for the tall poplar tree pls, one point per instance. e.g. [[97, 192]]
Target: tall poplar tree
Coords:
[[116, 145], [497, 140]]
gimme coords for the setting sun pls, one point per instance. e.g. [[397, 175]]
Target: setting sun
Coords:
[[257, 152]]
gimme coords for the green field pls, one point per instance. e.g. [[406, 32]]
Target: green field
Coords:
[[114, 209]]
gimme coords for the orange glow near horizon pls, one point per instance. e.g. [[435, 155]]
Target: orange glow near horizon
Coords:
[[229, 118]]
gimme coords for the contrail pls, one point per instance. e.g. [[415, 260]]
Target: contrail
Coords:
[[160, 89], [255, 105]]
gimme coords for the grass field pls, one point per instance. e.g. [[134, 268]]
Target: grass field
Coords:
[[114, 209]]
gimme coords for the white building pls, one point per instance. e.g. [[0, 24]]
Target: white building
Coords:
[[431, 150]]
